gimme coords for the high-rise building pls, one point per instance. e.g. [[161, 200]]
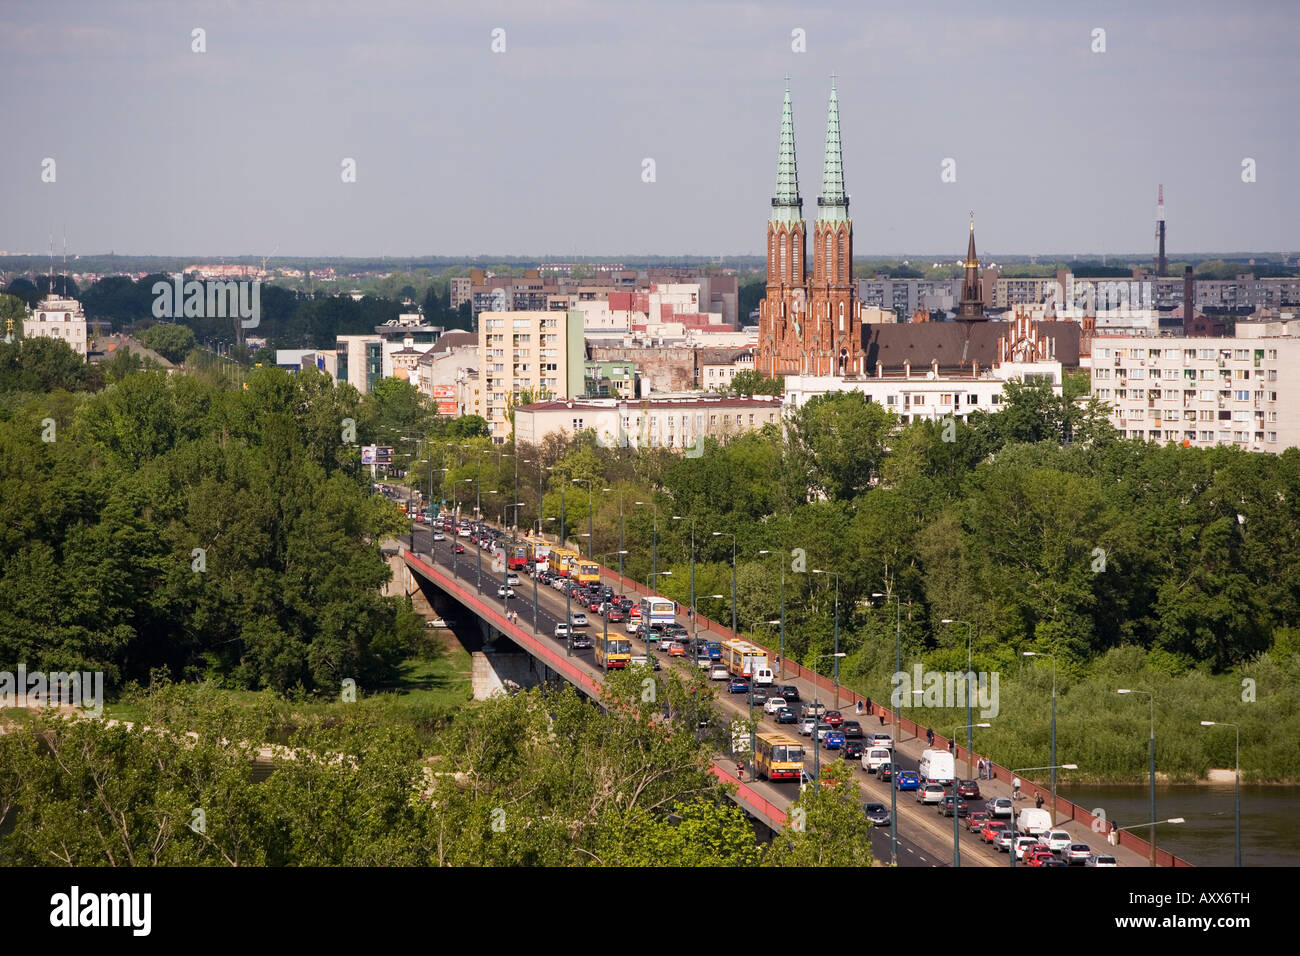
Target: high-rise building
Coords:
[[526, 357], [810, 325]]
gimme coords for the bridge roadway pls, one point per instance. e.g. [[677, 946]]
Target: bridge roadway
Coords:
[[925, 837]]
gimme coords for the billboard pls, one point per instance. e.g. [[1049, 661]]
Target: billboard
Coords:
[[367, 454], [445, 396]]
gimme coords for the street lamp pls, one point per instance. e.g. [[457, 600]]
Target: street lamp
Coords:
[[780, 656], [1236, 802], [654, 554], [1052, 756], [694, 626], [590, 509], [898, 727], [817, 744], [956, 848], [836, 576], [718, 534], [970, 641], [1016, 773], [1151, 755], [621, 546]]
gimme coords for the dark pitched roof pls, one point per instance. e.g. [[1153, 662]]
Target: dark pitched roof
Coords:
[[455, 339], [956, 345]]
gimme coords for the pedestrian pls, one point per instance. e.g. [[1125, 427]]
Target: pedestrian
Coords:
[[929, 736], [1015, 788], [1113, 836], [868, 707], [859, 706], [979, 767], [740, 770], [882, 718]]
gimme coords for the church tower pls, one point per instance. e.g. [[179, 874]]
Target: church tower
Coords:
[[835, 320], [781, 312], [972, 301]]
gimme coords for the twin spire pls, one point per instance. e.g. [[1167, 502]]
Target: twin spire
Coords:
[[833, 204]]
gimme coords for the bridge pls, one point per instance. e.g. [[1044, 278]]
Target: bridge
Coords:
[[471, 580]]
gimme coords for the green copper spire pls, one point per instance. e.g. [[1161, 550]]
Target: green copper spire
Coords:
[[786, 204], [833, 204]]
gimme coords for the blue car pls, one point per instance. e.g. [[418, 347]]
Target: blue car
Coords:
[[739, 686], [909, 780], [834, 740], [715, 650]]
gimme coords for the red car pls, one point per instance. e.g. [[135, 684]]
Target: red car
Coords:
[[968, 789], [1036, 857], [834, 718], [992, 830], [977, 820], [460, 548], [615, 616]]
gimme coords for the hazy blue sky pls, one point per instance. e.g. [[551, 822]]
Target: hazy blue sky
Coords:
[[538, 150]]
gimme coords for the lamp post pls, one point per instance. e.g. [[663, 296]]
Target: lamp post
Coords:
[[898, 667], [1052, 756], [718, 534], [1236, 801], [836, 576], [781, 654], [468, 481], [1016, 773], [956, 848], [654, 554], [817, 744], [970, 640], [1151, 760], [621, 546], [694, 626], [590, 509]]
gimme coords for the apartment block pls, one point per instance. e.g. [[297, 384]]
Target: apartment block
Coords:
[[58, 318], [670, 421], [537, 351], [1202, 391]]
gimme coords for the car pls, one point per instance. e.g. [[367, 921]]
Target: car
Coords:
[[639, 660], [945, 806], [738, 685], [852, 730], [852, 749], [504, 591], [581, 641], [1076, 853], [758, 698], [834, 718], [1004, 839], [814, 709], [1056, 840], [435, 622], [786, 716], [806, 726], [594, 605], [998, 807], [930, 793], [975, 820], [561, 631], [774, 704], [464, 533], [885, 772], [578, 619], [968, 789], [1100, 859], [834, 740], [823, 729], [439, 536], [881, 740], [675, 649], [992, 829], [790, 693], [675, 632], [877, 814], [1039, 857], [1051, 861], [512, 579], [615, 616], [908, 780], [718, 672], [873, 757], [1027, 844], [460, 548]]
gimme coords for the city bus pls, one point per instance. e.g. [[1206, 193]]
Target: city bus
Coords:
[[619, 653], [742, 658], [778, 757], [588, 572], [655, 610], [538, 550], [517, 557], [562, 560]]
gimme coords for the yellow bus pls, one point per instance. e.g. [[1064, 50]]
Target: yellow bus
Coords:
[[561, 560], [619, 652], [588, 572], [742, 658], [778, 757]]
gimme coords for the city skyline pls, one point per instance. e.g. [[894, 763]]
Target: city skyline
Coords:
[[539, 150]]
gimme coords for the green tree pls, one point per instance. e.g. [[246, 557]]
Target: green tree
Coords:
[[169, 340]]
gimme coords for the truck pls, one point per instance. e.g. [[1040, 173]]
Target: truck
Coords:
[[936, 766]]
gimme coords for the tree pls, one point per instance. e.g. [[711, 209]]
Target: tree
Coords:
[[748, 382], [826, 827], [839, 441], [169, 340]]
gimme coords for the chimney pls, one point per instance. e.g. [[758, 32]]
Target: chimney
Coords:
[[907, 369], [880, 370], [1189, 297]]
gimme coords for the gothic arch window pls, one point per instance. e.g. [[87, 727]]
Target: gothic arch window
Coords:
[[844, 360], [841, 316], [784, 260]]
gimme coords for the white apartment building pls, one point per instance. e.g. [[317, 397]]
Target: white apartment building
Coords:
[[58, 318], [669, 421], [540, 352], [1202, 391]]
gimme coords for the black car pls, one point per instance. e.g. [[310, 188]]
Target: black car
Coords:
[[786, 715], [758, 697], [852, 749], [790, 693], [945, 806], [581, 641], [852, 730], [885, 772], [877, 814]]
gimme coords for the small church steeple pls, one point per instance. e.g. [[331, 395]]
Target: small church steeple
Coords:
[[972, 302]]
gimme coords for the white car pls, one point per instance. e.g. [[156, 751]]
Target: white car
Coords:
[[512, 579], [578, 619], [1077, 853], [1056, 840], [719, 673], [1024, 844], [930, 793], [880, 740], [806, 726], [439, 536], [435, 622], [504, 591], [1101, 859], [561, 631], [631, 626], [464, 532], [774, 704], [873, 758]]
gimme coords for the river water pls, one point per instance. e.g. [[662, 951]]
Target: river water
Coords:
[[1270, 819]]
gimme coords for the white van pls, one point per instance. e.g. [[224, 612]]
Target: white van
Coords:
[[936, 766], [763, 677], [1034, 821], [874, 758]]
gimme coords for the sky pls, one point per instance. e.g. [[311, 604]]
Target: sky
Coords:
[[1059, 135]]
